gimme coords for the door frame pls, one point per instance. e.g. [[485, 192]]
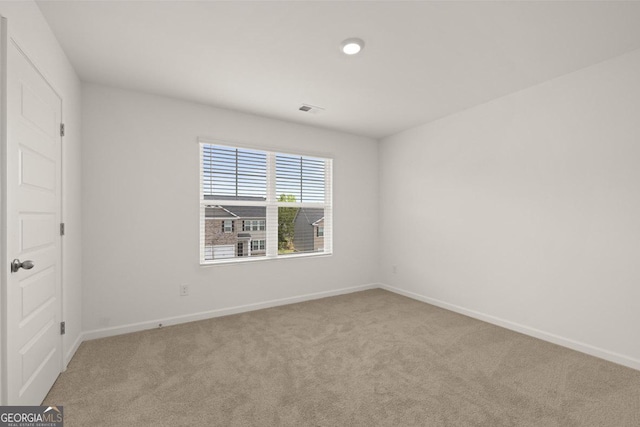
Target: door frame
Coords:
[[5, 40], [3, 202]]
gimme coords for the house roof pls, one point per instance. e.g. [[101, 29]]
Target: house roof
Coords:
[[217, 212], [235, 212], [311, 215]]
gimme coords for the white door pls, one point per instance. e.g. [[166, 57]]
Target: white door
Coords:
[[33, 307]]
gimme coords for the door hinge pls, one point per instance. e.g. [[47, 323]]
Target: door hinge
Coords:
[[61, 129], [62, 228], [62, 328]]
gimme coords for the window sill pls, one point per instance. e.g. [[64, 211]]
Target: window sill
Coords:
[[242, 260]]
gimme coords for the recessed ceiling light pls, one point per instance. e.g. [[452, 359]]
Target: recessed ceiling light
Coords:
[[351, 46]]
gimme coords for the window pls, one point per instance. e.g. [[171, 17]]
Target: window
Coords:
[[258, 245], [227, 226], [254, 225], [265, 204]]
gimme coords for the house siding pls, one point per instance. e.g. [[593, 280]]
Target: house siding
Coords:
[[214, 236], [306, 239]]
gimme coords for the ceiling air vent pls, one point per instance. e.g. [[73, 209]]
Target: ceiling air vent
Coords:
[[311, 109]]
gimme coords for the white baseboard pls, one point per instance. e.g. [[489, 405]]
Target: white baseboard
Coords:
[[167, 321], [545, 336]]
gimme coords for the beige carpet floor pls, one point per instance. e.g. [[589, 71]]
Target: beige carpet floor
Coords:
[[370, 358]]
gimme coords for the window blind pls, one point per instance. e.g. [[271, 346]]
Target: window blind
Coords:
[[302, 178], [233, 173]]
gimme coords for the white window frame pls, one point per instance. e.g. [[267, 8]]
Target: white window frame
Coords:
[[271, 204]]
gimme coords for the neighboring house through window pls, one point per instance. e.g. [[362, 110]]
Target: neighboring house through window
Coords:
[[306, 229]]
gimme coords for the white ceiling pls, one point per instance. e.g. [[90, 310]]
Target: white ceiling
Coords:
[[422, 60]]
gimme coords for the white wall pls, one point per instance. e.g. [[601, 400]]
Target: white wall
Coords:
[[28, 28], [525, 211], [141, 212]]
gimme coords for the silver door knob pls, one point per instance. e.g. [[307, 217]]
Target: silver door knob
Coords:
[[17, 265]]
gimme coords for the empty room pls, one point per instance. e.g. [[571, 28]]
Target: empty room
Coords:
[[320, 213]]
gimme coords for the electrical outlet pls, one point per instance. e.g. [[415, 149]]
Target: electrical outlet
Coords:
[[394, 269], [184, 290]]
